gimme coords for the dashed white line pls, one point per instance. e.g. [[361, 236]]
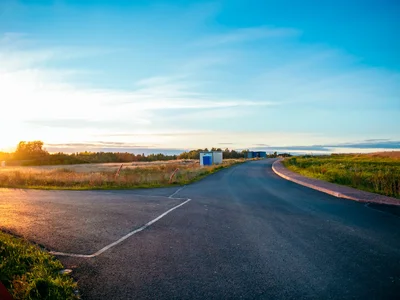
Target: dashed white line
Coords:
[[124, 237]]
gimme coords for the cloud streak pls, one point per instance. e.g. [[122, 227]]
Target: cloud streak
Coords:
[[377, 144], [243, 35]]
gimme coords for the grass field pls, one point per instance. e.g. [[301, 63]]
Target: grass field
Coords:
[[103, 176], [31, 273], [374, 172]]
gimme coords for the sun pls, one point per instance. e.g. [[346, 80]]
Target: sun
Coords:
[[7, 144]]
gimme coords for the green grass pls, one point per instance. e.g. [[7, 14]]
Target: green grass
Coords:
[[377, 174], [148, 176], [29, 272]]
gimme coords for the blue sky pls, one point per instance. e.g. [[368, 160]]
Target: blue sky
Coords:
[[188, 74]]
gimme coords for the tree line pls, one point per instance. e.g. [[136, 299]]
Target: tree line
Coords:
[[32, 153], [195, 154]]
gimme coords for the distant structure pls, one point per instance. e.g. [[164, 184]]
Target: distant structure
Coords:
[[256, 154], [208, 158]]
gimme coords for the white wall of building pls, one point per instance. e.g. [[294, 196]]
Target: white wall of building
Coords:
[[217, 157]]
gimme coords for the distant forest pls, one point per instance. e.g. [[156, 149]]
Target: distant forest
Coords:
[[33, 154]]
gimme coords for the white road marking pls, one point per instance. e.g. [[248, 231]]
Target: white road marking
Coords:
[[176, 192], [124, 237], [155, 196]]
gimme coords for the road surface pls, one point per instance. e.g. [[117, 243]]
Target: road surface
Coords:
[[245, 234]]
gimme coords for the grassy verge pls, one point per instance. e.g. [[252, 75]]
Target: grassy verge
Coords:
[[377, 174], [145, 176], [31, 273]]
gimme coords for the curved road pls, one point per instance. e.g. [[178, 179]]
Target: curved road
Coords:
[[246, 234]]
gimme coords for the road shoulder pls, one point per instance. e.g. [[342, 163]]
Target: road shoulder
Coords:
[[331, 188]]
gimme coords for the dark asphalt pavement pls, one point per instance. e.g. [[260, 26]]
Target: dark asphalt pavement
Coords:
[[246, 234]]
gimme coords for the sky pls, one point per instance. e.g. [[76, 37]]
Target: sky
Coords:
[[111, 75]]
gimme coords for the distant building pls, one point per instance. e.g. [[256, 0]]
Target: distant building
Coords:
[[256, 154], [208, 158]]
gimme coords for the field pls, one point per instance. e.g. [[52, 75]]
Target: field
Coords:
[[103, 176], [374, 172], [31, 273]]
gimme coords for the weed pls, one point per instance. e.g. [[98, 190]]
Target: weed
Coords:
[[31, 273]]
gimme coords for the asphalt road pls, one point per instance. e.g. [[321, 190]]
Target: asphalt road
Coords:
[[246, 234]]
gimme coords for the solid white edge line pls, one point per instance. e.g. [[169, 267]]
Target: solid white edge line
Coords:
[[121, 239]]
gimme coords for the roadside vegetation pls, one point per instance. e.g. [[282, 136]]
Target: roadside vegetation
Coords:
[[29, 272], [33, 154], [375, 172], [102, 176], [32, 166]]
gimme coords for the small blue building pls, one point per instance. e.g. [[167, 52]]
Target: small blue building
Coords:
[[256, 154]]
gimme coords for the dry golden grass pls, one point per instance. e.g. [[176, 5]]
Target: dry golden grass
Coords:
[[388, 154], [103, 176], [104, 167]]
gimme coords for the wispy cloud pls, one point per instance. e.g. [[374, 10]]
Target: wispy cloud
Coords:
[[157, 134], [376, 140], [86, 123], [362, 146], [110, 147], [99, 145], [48, 89], [368, 144], [247, 34]]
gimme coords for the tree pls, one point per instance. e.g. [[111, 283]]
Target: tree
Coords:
[[30, 150]]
